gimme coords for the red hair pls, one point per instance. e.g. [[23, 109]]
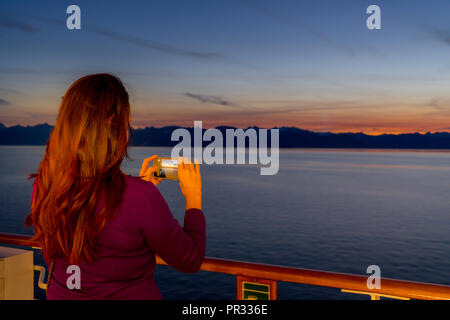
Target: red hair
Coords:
[[81, 164]]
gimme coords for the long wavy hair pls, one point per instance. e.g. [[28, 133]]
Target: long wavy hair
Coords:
[[81, 165]]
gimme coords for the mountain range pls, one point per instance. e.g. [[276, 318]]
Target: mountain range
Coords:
[[290, 137]]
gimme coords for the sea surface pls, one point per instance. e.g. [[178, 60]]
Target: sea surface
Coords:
[[333, 210]]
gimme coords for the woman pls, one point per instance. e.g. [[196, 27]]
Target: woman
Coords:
[[87, 212]]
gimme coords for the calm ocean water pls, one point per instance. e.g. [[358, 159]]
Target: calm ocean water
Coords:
[[331, 210]]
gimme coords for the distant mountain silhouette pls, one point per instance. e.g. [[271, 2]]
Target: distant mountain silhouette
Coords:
[[290, 137], [29, 135]]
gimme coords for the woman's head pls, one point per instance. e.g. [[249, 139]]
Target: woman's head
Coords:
[[81, 164], [92, 124]]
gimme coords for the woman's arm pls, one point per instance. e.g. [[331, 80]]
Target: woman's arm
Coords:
[[182, 248]]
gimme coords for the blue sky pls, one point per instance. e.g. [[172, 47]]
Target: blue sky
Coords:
[[310, 64]]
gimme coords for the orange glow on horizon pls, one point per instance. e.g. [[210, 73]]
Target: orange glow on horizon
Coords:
[[385, 117]]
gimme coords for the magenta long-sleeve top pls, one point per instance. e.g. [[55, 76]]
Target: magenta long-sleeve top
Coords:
[[125, 255]]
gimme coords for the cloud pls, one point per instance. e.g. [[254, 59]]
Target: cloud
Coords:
[[211, 99], [441, 35], [3, 102], [440, 105], [10, 90], [297, 108], [157, 46], [165, 48], [16, 24], [145, 43]]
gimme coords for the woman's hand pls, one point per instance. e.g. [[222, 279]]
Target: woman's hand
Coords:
[[147, 173], [190, 183]]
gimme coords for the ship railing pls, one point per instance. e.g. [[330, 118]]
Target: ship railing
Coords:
[[259, 281]]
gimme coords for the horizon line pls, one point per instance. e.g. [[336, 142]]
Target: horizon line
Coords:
[[255, 126]]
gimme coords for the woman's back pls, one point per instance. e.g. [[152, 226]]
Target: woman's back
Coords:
[[108, 226], [125, 253]]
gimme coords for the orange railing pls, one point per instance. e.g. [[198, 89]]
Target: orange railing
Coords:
[[391, 288]]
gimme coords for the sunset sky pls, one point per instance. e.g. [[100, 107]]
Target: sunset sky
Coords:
[[309, 64]]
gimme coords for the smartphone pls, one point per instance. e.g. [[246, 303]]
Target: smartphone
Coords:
[[167, 168]]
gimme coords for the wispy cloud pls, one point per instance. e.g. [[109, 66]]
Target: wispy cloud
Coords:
[[441, 35], [157, 46], [9, 23], [166, 48], [441, 106], [20, 70], [10, 90], [3, 102], [38, 72], [145, 43], [211, 99]]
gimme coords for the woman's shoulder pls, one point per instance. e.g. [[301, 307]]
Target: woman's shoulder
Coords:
[[138, 185], [142, 196], [138, 194]]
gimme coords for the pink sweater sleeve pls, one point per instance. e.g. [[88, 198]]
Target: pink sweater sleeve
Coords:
[[182, 248]]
